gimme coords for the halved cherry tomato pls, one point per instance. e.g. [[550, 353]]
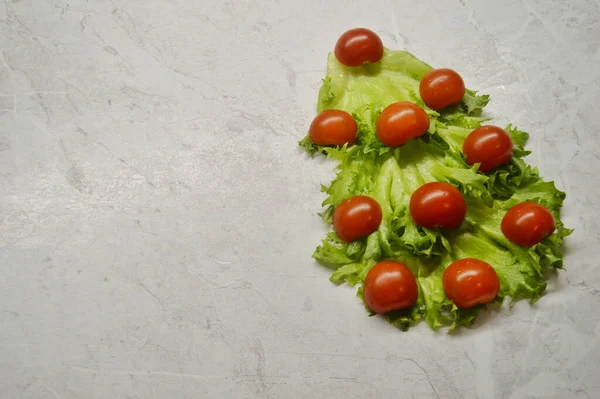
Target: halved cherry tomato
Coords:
[[389, 286], [400, 122], [489, 145], [356, 217], [468, 282], [357, 46], [438, 204], [441, 87], [333, 127], [527, 223]]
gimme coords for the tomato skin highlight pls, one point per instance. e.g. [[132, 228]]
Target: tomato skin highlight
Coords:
[[389, 286], [438, 204], [489, 145], [357, 46], [468, 282], [527, 224], [400, 122], [441, 87], [333, 127], [356, 217]]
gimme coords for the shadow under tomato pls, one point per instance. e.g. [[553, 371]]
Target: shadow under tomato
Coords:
[[368, 69]]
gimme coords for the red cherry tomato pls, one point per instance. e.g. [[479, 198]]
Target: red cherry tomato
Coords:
[[527, 223], [401, 122], [333, 127], [390, 285], [357, 46], [441, 87], [489, 145], [438, 204], [356, 217], [468, 282]]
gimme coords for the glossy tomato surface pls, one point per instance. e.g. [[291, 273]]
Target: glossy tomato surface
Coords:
[[489, 145], [438, 204], [333, 127], [356, 217], [357, 46], [441, 87], [400, 122], [468, 282], [389, 286], [527, 223]]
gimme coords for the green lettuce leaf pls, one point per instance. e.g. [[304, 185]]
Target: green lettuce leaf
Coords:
[[390, 176]]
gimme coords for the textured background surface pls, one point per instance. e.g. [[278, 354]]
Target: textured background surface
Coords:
[[157, 217]]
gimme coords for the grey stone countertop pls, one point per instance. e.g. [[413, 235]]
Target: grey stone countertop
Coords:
[[157, 217]]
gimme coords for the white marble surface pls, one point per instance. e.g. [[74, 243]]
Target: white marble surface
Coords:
[[157, 218]]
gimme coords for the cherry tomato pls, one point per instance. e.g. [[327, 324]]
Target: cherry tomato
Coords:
[[468, 282], [333, 127], [438, 204], [390, 285], [401, 122], [357, 46], [356, 217], [527, 223], [441, 87], [489, 145]]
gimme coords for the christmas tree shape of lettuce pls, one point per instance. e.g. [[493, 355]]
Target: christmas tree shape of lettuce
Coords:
[[392, 175]]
